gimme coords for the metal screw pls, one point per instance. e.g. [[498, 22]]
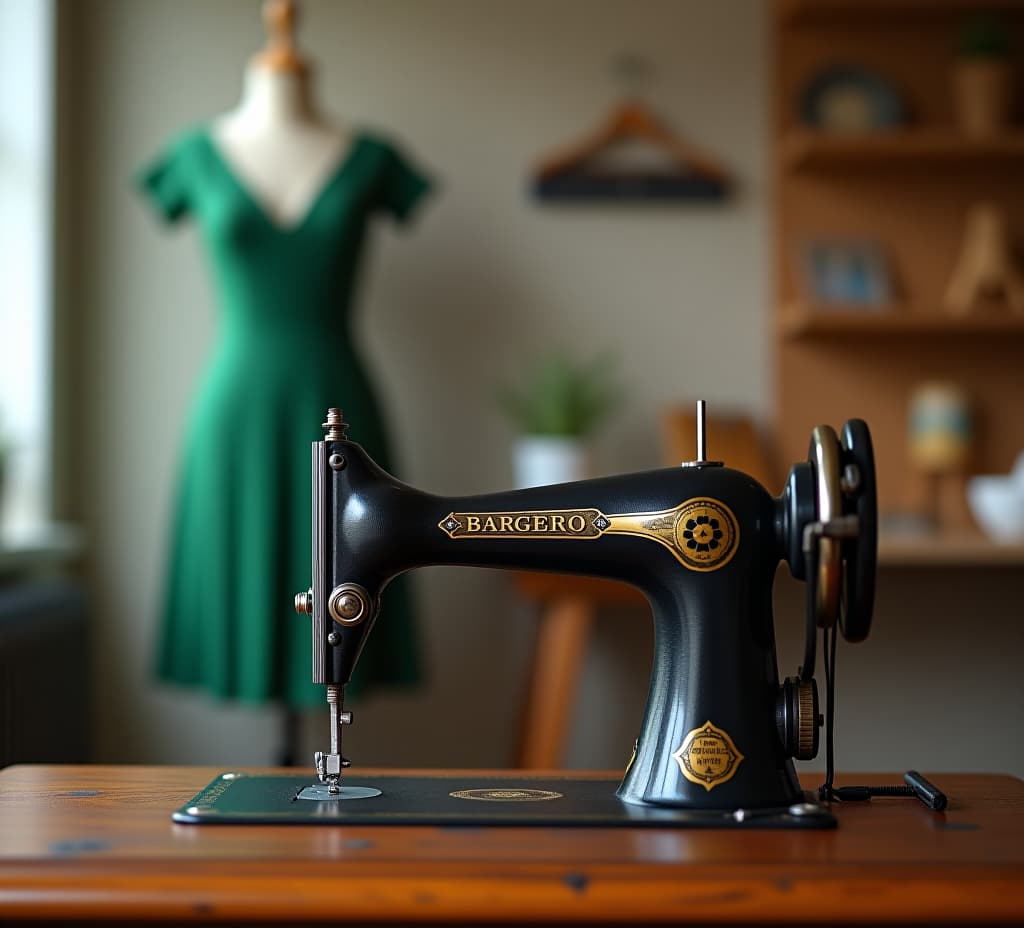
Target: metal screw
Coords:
[[335, 426], [348, 605], [304, 602], [800, 809], [333, 638], [337, 462], [849, 482]]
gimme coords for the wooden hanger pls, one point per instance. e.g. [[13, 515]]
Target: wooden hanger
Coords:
[[280, 53], [569, 173], [631, 120]]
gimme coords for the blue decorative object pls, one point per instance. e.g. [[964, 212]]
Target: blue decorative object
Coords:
[[845, 273], [847, 98]]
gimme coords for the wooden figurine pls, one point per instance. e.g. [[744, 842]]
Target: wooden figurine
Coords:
[[985, 267]]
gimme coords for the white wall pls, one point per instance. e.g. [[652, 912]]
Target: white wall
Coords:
[[476, 90]]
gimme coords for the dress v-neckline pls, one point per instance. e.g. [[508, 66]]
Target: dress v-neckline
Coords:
[[341, 165]]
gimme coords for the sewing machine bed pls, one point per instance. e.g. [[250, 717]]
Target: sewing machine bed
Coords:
[[463, 800]]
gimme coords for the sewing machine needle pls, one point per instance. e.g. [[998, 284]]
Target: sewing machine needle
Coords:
[[336, 702]]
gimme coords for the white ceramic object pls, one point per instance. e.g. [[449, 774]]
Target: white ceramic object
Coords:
[[997, 504], [540, 460]]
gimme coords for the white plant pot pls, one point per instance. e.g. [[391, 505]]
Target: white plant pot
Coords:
[[540, 460]]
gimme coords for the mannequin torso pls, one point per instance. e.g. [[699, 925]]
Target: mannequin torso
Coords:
[[277, 144]]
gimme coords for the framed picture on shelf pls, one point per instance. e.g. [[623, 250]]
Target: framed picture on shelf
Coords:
[[845, 273]]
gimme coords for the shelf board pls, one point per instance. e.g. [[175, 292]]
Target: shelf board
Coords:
[[803, 320], [820, 12], [961, 549], [801, 148]]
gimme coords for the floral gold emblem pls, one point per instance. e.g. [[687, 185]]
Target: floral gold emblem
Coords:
[[706, 534], [707, 756]]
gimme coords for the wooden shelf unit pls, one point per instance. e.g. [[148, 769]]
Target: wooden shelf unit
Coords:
[[909, 190]]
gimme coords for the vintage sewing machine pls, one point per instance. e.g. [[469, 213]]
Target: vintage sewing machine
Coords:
[[702, 541]]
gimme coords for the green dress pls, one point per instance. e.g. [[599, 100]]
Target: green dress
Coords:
[[241, 536]]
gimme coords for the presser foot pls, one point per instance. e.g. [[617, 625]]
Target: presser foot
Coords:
[[329, 768]]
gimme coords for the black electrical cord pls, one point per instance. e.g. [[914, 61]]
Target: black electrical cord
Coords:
[[811, 632], [916, 785], [828, 648]]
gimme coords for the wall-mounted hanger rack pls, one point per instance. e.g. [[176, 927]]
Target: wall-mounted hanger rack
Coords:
[[574, 171]]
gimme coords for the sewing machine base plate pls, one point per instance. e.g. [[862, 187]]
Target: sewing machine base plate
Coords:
[[464, 800]]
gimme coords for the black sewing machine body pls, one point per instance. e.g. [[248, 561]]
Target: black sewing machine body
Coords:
[[702, 542]]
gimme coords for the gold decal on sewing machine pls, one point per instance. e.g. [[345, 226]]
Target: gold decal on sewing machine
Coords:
[[701, 533], [557, 523], [707, 756], [506, 795]]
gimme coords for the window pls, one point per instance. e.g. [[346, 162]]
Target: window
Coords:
[[26, 255]]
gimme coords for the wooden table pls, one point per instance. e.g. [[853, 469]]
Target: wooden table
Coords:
[[97, 843]]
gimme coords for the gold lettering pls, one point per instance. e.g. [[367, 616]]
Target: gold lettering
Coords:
[[509, 524]]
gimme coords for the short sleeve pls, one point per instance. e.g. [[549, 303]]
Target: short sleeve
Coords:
[[165, 181], [402, 186]]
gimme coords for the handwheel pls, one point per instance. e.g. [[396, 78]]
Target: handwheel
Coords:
[[860, 554], [825, 457]]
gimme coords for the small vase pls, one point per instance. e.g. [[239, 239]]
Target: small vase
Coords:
[[541, 460], [982, 96], [940, 426]]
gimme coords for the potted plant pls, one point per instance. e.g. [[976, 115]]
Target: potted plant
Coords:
[[560, 404], [982, 78]]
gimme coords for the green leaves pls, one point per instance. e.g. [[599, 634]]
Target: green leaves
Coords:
[[562, 396]]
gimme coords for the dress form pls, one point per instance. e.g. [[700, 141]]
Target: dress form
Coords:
[[285, 202], [275, 140]]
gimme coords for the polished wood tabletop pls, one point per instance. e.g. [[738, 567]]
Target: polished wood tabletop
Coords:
[[97, 843]]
